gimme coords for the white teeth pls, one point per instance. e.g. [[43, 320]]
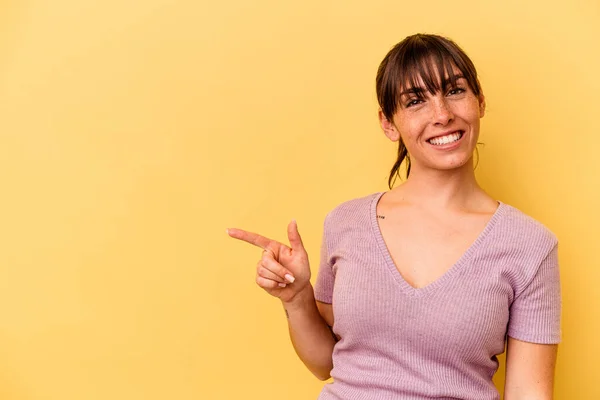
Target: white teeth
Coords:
[[445, 139]]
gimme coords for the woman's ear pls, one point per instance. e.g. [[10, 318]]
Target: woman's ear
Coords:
[[388, 127], [481, 105]]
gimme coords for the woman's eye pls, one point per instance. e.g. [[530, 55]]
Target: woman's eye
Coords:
[[413, 102], [456, 91]]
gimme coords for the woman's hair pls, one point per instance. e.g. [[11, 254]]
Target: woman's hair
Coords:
[[428, 57]]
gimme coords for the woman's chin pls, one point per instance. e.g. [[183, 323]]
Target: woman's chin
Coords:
[[453, 162]]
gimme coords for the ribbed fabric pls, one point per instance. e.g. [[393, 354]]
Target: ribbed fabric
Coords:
[[440, 341]]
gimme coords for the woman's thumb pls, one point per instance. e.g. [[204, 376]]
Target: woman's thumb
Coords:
[[294, 236]]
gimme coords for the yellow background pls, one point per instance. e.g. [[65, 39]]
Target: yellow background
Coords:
[[132, 133]]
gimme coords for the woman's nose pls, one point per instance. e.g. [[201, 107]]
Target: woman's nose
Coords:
[[442, 113]]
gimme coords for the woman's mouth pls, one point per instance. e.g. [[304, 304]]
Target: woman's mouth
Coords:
[[446, 139]]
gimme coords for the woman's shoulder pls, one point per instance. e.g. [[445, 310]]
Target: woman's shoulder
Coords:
[[352, 210], [524, 228]]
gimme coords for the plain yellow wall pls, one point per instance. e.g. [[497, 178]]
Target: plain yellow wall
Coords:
[[132, 133]]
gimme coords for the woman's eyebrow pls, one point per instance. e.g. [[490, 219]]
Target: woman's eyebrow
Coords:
[[419, 90], [412, 90], [456, 78]]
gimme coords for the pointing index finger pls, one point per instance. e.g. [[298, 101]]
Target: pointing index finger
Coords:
[[250, 237]]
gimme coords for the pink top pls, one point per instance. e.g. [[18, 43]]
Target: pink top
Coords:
[[439, 341]]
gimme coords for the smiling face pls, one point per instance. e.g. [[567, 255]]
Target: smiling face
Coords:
[[430, 102], [438, 122]]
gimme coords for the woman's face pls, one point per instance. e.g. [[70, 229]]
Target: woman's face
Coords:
[[440, 130]]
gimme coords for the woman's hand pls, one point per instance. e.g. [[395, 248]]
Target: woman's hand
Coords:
[[282, 271]]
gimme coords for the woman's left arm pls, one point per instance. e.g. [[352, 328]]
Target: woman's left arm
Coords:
[[529, 370]]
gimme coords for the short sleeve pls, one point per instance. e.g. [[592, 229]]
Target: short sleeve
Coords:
[[325, 277], [536, 312]]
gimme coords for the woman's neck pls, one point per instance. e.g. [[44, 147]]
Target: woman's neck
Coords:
[[455, 189]]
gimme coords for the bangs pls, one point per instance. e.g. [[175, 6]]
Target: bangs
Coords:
[[435, 71], [422, 63]]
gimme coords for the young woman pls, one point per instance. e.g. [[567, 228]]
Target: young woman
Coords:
[[422, 286]]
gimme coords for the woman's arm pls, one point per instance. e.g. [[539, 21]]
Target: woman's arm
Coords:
[[284, 272], [310, 332], [529, 370]]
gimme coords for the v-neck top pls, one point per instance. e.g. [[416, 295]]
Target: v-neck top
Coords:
[[440, 341], [463, 260]]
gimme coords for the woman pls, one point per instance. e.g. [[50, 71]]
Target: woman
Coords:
[[421, 287]]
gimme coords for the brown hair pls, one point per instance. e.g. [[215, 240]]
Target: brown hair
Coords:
[[425, 56]]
